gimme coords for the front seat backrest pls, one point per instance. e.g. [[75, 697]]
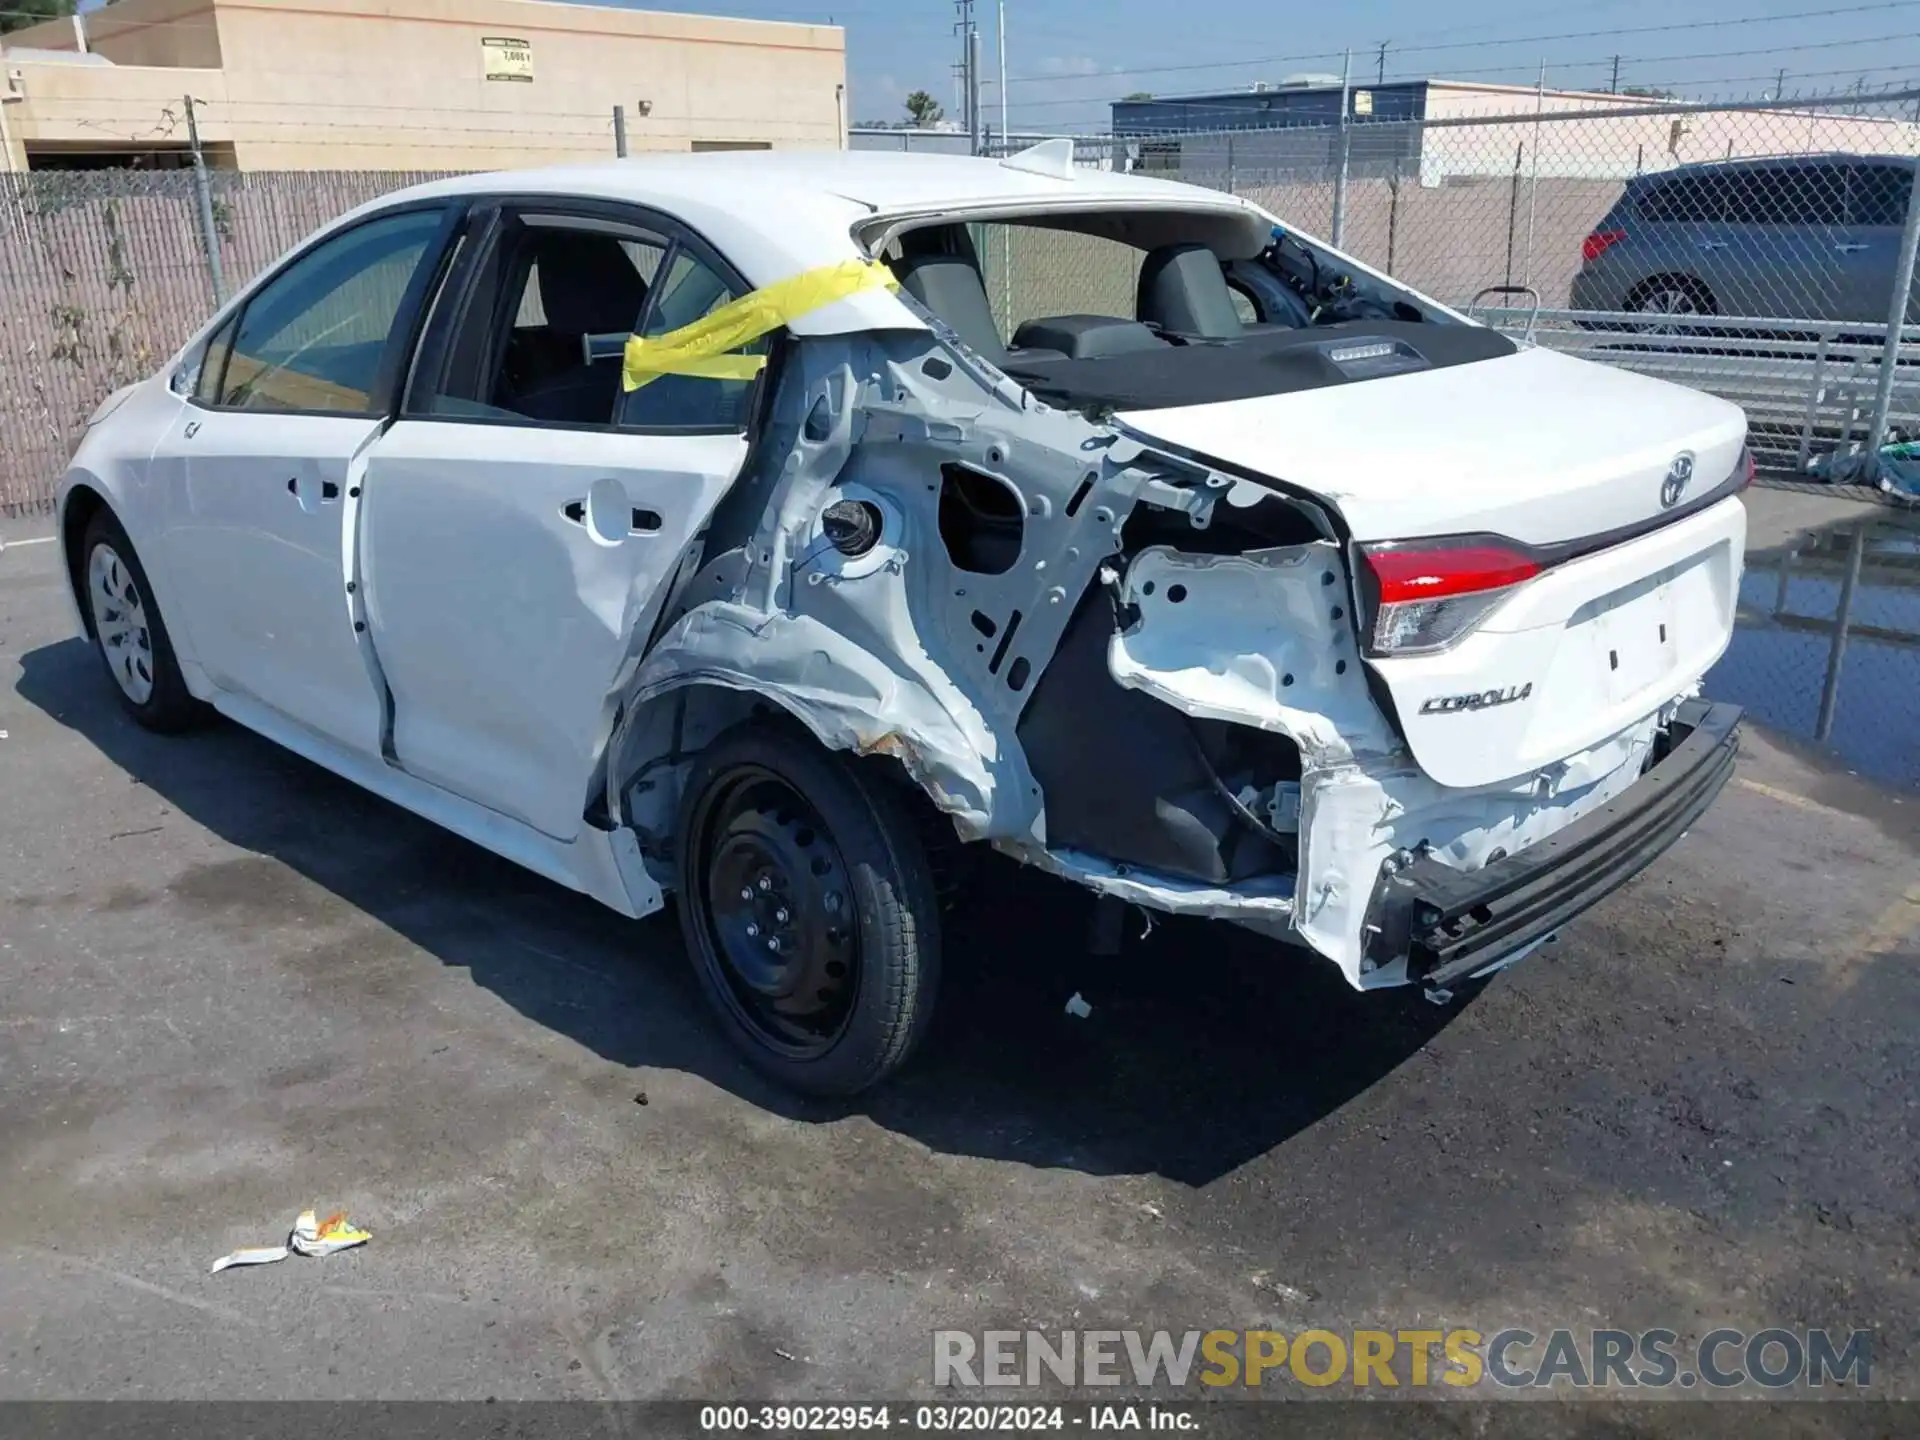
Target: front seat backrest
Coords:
[[1183, 292], [952, 289]]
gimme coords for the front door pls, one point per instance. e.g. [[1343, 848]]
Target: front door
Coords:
[[262, 469], [522, 517], [1867, 250]]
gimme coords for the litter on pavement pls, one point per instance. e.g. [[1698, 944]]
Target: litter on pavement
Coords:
[[308, 1237]]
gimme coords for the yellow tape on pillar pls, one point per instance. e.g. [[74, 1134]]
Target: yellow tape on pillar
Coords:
[[703, 347]]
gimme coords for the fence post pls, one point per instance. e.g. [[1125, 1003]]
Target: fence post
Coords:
[[1837, 652], [620, 132], [1346, 140], [203, 195], [1513, 204], [1896, 323]]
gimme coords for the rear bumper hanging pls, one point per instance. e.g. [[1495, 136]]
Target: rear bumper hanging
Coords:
[[1451, 923]]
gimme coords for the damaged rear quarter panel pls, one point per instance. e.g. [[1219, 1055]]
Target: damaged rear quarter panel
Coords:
[[900, 650], [907, 651]]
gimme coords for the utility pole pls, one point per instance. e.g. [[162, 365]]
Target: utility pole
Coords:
[[1339, 226], [1613, 85], [1000, 37], [1780, 83], [969, 71], [973, 86], [1381, 77], [203, 194], [620, 131]]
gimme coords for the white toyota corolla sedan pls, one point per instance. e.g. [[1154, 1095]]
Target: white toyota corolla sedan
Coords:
[[691, 526]]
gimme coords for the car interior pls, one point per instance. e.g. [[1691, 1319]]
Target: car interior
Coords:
[[587, 285], [1182, 299], [1189, 340]]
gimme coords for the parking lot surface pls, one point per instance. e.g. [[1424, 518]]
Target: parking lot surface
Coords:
[[232, 986]]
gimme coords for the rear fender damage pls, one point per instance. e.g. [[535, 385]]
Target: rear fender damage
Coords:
[[998, 521], [911, 648]]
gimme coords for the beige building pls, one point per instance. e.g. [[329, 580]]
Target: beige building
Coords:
[[408, 84]]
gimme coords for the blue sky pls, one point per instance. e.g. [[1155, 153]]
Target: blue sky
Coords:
[[1066, 58]]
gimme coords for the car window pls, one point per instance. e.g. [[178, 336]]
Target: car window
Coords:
[[1878, 195], [1789, 195], [688, 290], [568, 294], [213, 363], [1749, 195], [314, 336]]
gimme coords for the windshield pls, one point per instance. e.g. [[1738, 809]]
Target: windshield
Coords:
[[1084, 318]]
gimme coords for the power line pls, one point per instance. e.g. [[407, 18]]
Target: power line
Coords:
[[1531, 68], [1478, 44]]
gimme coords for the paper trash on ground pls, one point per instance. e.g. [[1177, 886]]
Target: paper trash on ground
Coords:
[[308, 1237]]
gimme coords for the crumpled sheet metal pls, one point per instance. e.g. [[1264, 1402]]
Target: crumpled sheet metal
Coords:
[[1257, 639], [847, 696]]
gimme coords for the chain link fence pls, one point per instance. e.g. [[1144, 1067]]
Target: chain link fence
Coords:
[[1752, 251], [104, 273]]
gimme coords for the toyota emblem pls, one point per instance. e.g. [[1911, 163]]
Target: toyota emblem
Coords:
[[1679, 476]]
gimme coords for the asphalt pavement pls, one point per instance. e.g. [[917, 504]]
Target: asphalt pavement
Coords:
[[232, 986]]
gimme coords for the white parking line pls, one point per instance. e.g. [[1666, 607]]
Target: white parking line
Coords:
[[35, 540]]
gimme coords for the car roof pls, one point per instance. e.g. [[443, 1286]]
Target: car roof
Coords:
[[1771, 162], [775, 213]]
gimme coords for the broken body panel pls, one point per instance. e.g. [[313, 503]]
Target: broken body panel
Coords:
[[1266, 780]]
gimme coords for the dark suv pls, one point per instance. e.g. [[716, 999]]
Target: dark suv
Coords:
[[1806, 238]]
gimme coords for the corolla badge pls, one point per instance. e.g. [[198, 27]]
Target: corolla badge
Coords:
[[1477, 700], [1679, 476]]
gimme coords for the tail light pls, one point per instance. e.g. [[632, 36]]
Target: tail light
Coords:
[[1427, 595], [1750, 467], [1597, 244]]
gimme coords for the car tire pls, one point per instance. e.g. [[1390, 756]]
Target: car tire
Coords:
[[128, 632], [1671, 295], [808, 908]]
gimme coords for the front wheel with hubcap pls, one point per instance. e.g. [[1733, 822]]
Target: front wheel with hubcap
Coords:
[[808, 909], [128, 631]]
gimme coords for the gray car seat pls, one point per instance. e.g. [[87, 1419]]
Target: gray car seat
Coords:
[[1183, 292], [588, 286], [950, 286]]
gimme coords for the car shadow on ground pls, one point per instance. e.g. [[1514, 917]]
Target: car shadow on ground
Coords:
[[1206, 1045]]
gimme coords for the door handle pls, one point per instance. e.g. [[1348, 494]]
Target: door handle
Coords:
[[1849, 249], [329, 490], [644, 522]]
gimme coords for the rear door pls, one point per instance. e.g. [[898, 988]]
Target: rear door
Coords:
[[524, 514], [259, 468], [1764, 237]]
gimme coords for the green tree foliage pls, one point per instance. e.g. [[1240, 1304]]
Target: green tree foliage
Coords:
[[922, 109], [17, 14]]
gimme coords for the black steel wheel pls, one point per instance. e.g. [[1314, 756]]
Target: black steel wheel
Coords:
[[808, 908]]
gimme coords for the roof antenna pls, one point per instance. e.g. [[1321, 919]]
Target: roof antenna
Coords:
[[1050, 157]]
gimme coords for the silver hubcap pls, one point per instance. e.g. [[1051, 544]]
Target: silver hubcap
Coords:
[[120, 620], [1668, 302]]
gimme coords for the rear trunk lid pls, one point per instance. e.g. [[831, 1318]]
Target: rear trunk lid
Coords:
[[1536, 446], [1575, 461]]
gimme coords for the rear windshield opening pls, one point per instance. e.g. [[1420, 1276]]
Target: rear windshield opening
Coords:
[[1147, 310]]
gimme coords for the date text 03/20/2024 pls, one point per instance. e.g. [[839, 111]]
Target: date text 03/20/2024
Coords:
[[789, 1419]]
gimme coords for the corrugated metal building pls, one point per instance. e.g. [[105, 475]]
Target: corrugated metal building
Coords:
[[1438, 130]]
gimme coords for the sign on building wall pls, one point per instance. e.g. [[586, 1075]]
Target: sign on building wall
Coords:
[[506, 59], [1363, 102]]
